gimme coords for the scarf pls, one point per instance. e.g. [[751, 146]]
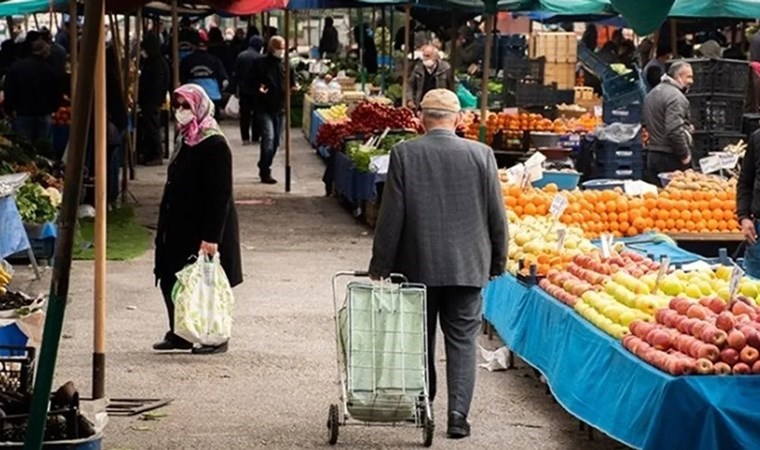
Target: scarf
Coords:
[[203, 124]]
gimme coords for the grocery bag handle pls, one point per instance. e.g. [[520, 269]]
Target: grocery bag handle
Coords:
[[364, 274]]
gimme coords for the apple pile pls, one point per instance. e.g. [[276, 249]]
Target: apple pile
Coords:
[[565, 287], [369, 117], [607, 314], [705, 337]]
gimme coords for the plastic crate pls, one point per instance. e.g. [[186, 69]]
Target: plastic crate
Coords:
[[716, 112], [592, 62], [531, 93], [704, 143], [620, 85], [720, 76], [564, 180], [16, 369], [620, 173], [566, 96], [520, 68], [627, 108], [628, 153], [61, 425]]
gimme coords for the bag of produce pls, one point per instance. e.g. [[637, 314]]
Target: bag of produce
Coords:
[[466, 99], [232, 110], [203, 302]]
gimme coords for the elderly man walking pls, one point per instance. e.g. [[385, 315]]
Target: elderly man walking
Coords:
[[442, 223], [428, 74], [666, 116]]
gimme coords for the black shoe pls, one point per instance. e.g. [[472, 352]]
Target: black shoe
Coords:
[[246, 142], [172, 342], [210, 349], [458, 426], [268, 180]]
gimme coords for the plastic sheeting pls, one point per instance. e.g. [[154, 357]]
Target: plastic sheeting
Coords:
[[24, 7], [597, 380], [13, 238]]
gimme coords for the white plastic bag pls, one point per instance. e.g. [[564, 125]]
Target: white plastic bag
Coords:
[[232, 109], [203, 302]]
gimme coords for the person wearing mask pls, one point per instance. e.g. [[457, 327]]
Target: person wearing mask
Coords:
[[33, 92], [205, 70], [187, 38], [197, 212], [328, 44], [666, 117], [269, 81], [428, 74], [656, 68], [454, 261], [249, 132], [155, 82]]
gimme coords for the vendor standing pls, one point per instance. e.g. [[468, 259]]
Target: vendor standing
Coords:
[[666, 117], [428, 74]]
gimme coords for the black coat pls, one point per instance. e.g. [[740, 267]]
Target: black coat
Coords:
[[33, 87], [198, 205], [155, 77]]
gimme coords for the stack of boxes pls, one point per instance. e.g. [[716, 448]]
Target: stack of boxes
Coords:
[[561, 53]]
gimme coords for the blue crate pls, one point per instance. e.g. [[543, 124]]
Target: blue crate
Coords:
[[564, 180], [619, 85], [592, 62], [620, 172], [629, 152], [627, 108]]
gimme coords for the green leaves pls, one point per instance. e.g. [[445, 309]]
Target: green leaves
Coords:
[[34, 205]]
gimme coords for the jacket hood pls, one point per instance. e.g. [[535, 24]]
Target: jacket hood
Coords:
[[256, 43], [152, 46]]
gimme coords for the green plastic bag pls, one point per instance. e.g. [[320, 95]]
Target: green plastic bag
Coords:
[[466, 99], [203, 302]]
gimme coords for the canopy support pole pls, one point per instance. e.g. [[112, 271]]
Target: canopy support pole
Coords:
[[175, 46], [101, 211], [73, 45], [405, 76], [59, 284], [362, 36], [454, 48], [135, 90], [674, 37], [286, 34], [484, 78], [127, 168]]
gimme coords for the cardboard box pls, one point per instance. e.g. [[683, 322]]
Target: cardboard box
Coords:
[[561, 73], [555, 47], [583, 93]]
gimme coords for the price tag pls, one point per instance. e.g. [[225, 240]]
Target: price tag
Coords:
[[710, 164], [535, 160], [558, 206], [607, 241], [736, 276], [728, 161], [516, 174], [561, 235], [664, 266]]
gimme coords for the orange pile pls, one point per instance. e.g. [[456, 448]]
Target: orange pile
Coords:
[[611, 211], [514, 124]]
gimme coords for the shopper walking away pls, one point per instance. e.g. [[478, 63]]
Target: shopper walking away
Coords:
[[205, 70], [269, 80], [155, 82], [442, 224], [249, 132], [328, 44], [428, 74], [666, 116], [197, 209], [33, 92]]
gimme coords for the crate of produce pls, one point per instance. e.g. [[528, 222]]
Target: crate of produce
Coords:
[[16, 369], [520, 68], [627, 108], [592, 62], [620, 85], [720, 76], [532, 93], [561, 73], [564, 180], [556, 47], [706, 142], [61, 425], [712, 112]]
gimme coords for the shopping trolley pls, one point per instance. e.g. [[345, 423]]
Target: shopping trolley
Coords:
[[381, 345]]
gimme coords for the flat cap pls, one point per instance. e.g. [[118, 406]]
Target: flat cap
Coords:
[[441, 99]]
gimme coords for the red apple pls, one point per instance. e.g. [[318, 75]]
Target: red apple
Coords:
[[696, 312], [729, 356], [743, 308], [741, 369], [753, 338], [736, 340], [699, 327], [692, 324], [694, 348], [725, 321], [756, 367], [712, 335], [704, 367], [681, 305], [666, 316], [676, 366], [749, 355], [709, 352], [722, 368], [660, 339], [717, 305], [743, 318]]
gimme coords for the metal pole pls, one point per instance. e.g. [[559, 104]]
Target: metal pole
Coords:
[[674, 37], [286, 34], [454, 48], [486, 73], [135, 87], [309, 40], [405, 76], [362, 32], [73, 45], [175, 46], [127, 83], [101, 211], [59, 284]]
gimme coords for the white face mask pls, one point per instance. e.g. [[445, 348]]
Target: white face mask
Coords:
[[428, 63], [183, 116], [279, 54]]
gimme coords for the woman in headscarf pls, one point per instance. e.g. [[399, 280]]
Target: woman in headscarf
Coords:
[[197, 209]]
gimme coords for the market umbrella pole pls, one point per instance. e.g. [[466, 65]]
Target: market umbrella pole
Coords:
[[287, 100], [126, 163], [484, 80], [101, 208], [362, 33], [73, 45], [59, 284], [405, 76], [135, 89], [175, 46]]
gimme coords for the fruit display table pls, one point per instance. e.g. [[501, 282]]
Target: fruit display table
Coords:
[[316, 121], [597, 380], [13, 239], [356, 187]]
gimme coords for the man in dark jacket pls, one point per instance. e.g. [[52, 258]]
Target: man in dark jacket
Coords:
[[247, 90], [58, 54], [155, 82], [666, 116], [205, 70], [187, 38], [269, 81], [428, 74], [33, 93], [656, 68], [447, 230], [328, 44], [748, 204]]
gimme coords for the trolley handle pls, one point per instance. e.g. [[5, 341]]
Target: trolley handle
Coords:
[[397, 277]]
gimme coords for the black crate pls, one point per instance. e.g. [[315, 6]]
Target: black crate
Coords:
[[720, 76], [704, 143], [520, 68], [566, 96], [623, 172], [534, 93], [716, 112], [617, 86], [16, 369], [627, 108], [61, 425], [592, 62], [609, 153]]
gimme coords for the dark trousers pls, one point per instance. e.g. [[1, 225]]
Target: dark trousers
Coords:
[[660, 162], [167, 285], [249, 131], [150, 147], [271, 126], [459, 310]]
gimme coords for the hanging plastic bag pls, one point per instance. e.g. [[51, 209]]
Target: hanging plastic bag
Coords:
[[466, 99], [203, 302], [232, 109]]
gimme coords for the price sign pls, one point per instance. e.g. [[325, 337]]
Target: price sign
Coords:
[[607, 241], [664, 266], [728, 161], [561, 235], [736, 276], [516, 174], [710, 164], [558, 206]]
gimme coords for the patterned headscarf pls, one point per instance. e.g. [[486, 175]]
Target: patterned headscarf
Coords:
[[203, 124]]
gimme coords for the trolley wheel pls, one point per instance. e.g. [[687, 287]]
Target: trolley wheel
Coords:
[[333, 420], [428, 430]]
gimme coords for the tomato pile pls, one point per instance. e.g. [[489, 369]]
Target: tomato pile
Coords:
[[368, 118]]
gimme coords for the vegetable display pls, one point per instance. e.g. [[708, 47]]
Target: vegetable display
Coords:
[[367, 118], [35, 204], [361, 154]]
